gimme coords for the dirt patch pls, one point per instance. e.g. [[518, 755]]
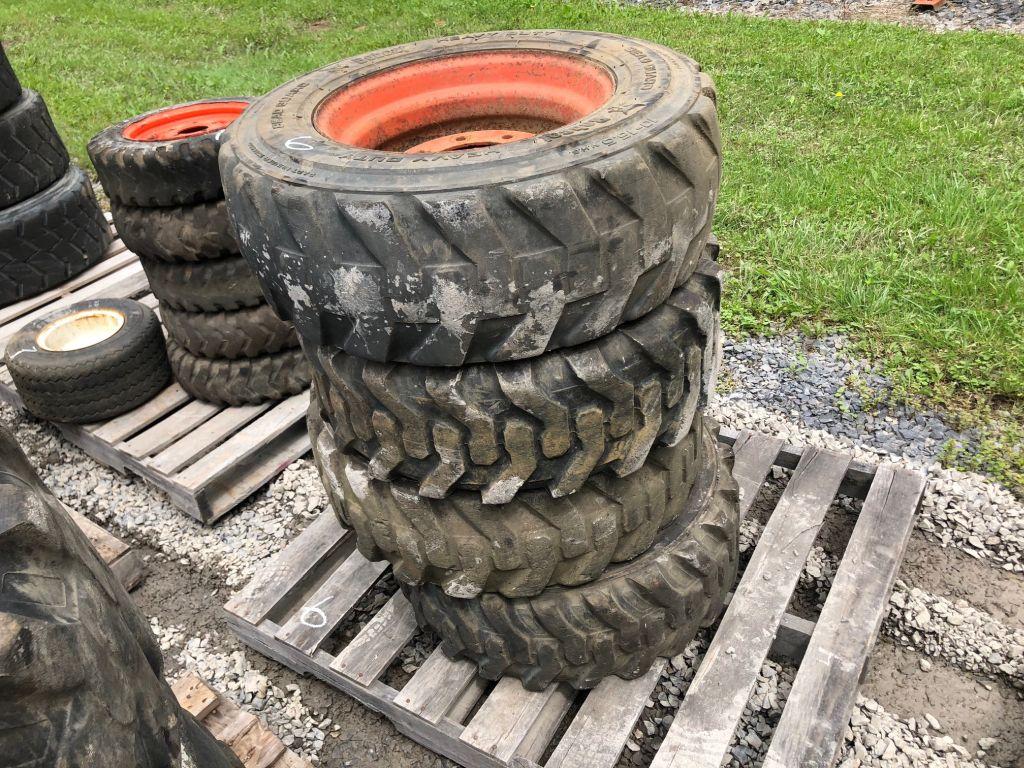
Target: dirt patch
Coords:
[[179, 596], [968, 707]]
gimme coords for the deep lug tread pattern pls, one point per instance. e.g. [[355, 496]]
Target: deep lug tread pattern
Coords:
[[50, 237], [516, 549], [95, 383], [151, 174], [546, 422], [181, 233], [617, 624], [243, 381], [10, 88], [250, 332], [218, 285], [475, 271], [32, 155]]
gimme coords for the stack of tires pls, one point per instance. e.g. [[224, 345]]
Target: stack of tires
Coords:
[[497, 251], [225, 343], [51, 227]]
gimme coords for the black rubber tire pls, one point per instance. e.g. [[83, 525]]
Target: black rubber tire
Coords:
[[32, 155], [617, 624], [182, 233], [217, 285], [515, 549], [477, 256], [50, 238], [546, 422], [82, 684], [10, 88], [246, 381], [97, 382], [152, 174], [243, 333]]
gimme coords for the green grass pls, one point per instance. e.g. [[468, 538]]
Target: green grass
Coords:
[[873, 180]]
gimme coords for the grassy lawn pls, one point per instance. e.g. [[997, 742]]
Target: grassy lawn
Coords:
[[874, 176]]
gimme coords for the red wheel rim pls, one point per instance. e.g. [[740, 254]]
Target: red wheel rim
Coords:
[[185, 122], [494, 92]]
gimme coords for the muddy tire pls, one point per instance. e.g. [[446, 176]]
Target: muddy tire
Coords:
[[483, 255], [617, 624], [165, 157], [219, 285], [82, 682], [50, 237], [32, 156], [182, 233], [547, 422], [63, 382], [240, 382], [248, 332], [10, 88], [519, 548]]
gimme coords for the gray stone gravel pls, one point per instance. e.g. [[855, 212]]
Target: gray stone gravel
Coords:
[[988, 15]]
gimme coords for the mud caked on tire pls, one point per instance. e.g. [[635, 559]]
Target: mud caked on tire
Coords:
[[89, 362], [246, 380], [518, 548], [180, 233], [550, 421], [50, 237], [81, 684], [167, 157], [249, 332], [374, 242], [32, 155], [617, 624]]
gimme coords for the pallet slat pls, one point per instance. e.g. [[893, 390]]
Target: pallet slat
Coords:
[[378, 643], [512, 720], [163, 433], [205, 438], [127, 424], [755, 454], [706, 720], [818, 709], [436, 686]]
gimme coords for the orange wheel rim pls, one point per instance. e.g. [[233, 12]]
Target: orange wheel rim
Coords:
[[424, 106], [185, 122]]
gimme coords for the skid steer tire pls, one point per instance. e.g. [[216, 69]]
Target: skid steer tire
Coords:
[[218, 285], [50, 237], [550, 421], [32, 155], [617, 624], [494, 253], [245, 381], [516, 549], [249, 332], [182, 233], [167, 156]]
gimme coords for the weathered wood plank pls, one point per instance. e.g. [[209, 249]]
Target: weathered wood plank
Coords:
[[755, 454], [511, 716], [818, 708], [246, 442], [436, 686], [228, 725], [163, 433], [195, 696], [600, 729], [378, 643], [706, 720], [313, 622], [205, 438], [274, 581], [126, 425]]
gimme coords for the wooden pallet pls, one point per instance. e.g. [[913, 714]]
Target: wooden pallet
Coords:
[[206, 458], [120, 558], [294, 605], [246, 735]]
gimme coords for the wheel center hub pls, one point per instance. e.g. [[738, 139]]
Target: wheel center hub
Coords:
[[454, 142], [80, 330]]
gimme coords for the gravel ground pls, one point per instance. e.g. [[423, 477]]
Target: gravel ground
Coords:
[[989, 15], [788, 386]]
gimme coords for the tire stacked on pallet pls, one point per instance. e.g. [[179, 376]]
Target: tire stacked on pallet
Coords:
[[497, 251], [51, 227], [225, 343]]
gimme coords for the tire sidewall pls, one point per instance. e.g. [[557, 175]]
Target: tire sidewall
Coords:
[[276, 137]]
